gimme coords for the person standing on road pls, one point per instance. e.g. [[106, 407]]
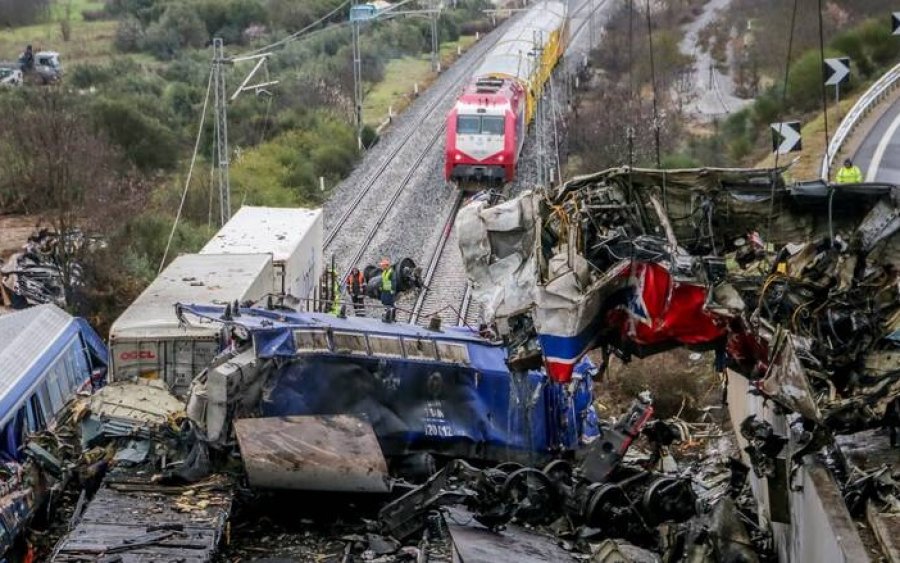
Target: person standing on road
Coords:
[[356, 287], [388, 290], [849, 173]]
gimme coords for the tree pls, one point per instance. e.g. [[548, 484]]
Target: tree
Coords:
[[62, 170]]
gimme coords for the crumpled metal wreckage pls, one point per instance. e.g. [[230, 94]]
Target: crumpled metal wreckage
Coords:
[[637, 261], [796, 287], [36, 275]]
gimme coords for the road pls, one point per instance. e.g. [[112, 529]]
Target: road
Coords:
[[878, 156], [711, 92]]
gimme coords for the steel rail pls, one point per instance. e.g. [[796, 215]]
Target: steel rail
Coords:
[[436, 256], [453, 90]]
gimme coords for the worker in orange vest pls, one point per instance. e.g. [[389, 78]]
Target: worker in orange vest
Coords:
[[356, 287]]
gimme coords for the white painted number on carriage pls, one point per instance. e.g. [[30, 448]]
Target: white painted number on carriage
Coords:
[[437, 430]]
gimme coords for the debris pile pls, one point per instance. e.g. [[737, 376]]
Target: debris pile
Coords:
[[796, 288], [41, 271]]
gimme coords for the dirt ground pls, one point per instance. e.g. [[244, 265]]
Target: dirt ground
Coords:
[[680, 381], [14, 231]]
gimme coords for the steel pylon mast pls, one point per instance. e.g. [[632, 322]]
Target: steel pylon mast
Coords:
[[222, 180], [357, 81]]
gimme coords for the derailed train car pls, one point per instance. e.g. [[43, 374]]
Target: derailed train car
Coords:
[[424, 394]]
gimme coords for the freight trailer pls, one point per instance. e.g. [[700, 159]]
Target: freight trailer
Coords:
[[293, 236], [148, 340]]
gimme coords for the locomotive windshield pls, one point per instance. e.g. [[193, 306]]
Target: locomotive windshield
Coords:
[[492, 125], [475, 125], [468, 124]]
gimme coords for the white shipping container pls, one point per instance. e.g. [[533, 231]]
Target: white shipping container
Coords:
[[147, 339], [294, 237]]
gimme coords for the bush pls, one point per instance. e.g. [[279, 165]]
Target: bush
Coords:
[[805, 81], [178, 27], [229, 19], [129, 35], [146, 142], [87, 75]]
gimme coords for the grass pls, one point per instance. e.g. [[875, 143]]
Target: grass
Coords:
[[812, 134], [89, 41], [76, 9], [401, 76]]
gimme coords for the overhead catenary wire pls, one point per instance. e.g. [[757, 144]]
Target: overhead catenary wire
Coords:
[[653, 81], [784, 91], [294, 36], [187, 181], [822, 66]]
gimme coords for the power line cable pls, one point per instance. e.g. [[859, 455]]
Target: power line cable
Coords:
[[653, 79], [784, 91], [822, 66], [187, 181], [296, 34]]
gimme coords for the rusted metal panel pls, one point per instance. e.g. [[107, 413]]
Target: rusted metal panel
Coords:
[[318, 453], [473, 543], [137, 521], [887, 530]]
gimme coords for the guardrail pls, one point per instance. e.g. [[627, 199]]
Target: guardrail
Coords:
[[863, 106]]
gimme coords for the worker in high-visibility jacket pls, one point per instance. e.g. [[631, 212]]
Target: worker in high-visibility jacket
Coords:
[[849, 173], [388, 290], [356, 287]]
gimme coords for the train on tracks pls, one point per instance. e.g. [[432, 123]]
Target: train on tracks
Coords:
[[487, 126]]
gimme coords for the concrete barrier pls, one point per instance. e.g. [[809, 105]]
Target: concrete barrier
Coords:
[[804, 510]]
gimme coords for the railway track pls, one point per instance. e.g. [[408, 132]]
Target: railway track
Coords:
[[371, 206], [446, 287]]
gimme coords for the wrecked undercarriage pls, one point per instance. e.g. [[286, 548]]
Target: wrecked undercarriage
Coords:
[[795, 288]]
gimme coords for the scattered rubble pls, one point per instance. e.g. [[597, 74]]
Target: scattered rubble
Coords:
[[37, 274]]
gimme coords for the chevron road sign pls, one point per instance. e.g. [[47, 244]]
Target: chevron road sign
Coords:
[[786, 137], [837, 71]]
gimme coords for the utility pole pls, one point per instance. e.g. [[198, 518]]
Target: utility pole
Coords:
[[435, 44], [537, 52], [591, 27], [221, 132], [357, 81]]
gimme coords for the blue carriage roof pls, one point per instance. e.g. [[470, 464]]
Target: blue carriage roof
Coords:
[[274, 332], [30, 341]]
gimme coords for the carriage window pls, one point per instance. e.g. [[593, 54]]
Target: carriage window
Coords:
[[468, 124], [492, 125], [349, 343], [452, 352], [311, 340], [420, 348], [386, 346]]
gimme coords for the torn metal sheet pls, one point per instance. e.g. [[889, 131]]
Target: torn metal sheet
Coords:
[[474, 543], [786, 381], [143, 402], [319, 453]]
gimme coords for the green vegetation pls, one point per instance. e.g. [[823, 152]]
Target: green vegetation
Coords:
[[136, 80], [744, 137]]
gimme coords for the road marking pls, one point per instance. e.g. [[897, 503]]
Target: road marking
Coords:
[[882, 147]]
